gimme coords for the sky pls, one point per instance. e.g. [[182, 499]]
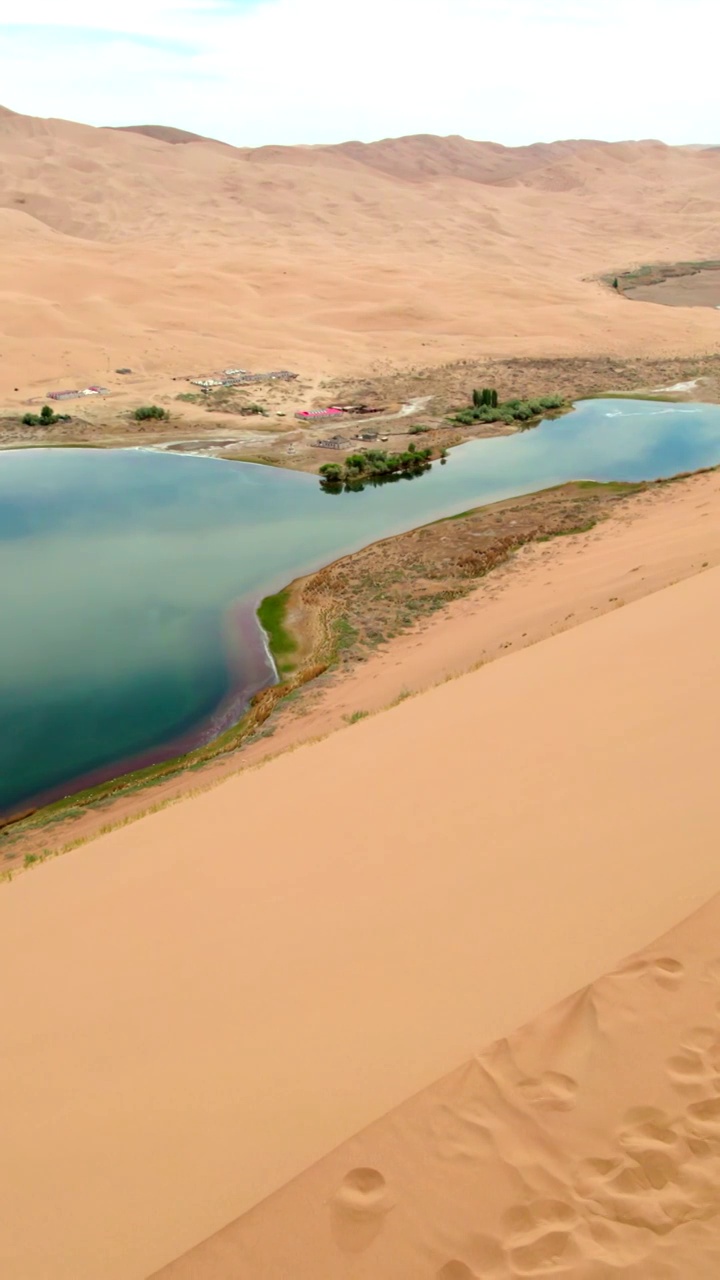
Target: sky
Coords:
[[254, 72]]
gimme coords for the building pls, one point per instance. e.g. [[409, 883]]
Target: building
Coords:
[[332, 442], [308, 415]]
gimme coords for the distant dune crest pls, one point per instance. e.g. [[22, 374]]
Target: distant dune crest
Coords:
[[163, 133], [183, 253]]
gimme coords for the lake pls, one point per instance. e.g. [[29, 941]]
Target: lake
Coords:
[[130, 578]]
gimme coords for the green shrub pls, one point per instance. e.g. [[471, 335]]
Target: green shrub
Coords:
[[374, 464], [486, 407], [45, 418], [149, 411]]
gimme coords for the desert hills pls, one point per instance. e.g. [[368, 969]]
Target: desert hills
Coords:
[[400, 931], [122, 249]]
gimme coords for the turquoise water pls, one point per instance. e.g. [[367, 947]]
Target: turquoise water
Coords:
[[129, 579]]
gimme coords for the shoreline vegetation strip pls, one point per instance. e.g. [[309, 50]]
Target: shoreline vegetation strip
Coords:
[[335, 637]]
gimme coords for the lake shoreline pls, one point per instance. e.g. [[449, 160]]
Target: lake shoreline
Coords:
[[329, 647], [330, 617], [437, 391]]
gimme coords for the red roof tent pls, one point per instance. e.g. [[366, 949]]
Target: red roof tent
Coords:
[[319, 413]]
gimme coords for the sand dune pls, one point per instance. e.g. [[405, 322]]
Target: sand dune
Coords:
[[185, 257], [199, 1007], [585, 1145], [219, 994]]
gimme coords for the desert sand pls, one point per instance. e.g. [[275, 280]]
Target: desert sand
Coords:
[[123, 250], [216, 996], [437, 995], [587, 1144]]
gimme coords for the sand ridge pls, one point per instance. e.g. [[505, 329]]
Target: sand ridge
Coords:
[[586, 1144], [233, 986]]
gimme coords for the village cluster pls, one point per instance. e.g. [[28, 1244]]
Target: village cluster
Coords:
[[236, 377]]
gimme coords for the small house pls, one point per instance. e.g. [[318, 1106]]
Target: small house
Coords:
[[332, 442]]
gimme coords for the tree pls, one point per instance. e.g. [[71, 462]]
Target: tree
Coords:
[[331, 472], [494, 398], [356, 465], [477, 398], [487, 396], [616, 284], [46, 418]]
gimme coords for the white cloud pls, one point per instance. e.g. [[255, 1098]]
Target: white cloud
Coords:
[[260, 71]]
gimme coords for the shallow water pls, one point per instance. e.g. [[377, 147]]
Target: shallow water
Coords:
[[129, 579]]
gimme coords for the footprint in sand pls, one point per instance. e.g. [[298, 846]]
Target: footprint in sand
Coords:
[[456, 1270], [645, 1129], [359, 1207], [552, 1091], [688, 1070], [540, 1238], [666, 971], [703, 1118], [697, 1065], [484, 1259], [362, 1193], [668, 1174]]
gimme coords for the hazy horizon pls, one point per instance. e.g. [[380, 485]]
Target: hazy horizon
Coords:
[[289, 72]]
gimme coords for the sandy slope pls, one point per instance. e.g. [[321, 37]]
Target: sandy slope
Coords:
[[214, 997], [585, 1145], [173, 260]]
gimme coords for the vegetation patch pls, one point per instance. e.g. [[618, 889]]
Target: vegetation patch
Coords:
[[373, 466], [150, 411], [487, 407], [45, 418], [272, 613]]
